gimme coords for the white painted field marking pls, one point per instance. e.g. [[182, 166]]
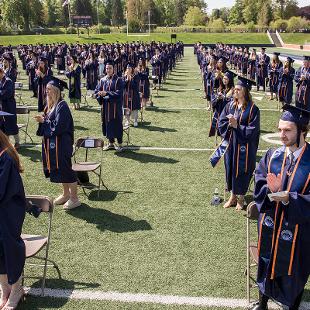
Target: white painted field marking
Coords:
[[147, 298], [154, 148], [274, 138]]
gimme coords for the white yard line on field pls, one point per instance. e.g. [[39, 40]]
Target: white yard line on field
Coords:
[[146, 298]]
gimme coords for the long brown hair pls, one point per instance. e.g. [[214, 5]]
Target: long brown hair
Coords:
[[247, 98], [6, 145]]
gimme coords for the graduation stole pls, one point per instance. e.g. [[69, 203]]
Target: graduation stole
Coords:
[[277, 237], [242, 149], [302, 87]]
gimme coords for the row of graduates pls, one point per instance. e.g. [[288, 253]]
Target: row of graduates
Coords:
[[93, 58], [284, 221], [280, 76]]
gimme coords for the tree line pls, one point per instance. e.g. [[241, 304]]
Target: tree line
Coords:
[[26, 14]]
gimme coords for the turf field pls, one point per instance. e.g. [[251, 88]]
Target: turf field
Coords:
[[153, 231], [296, 38], [188, 38]]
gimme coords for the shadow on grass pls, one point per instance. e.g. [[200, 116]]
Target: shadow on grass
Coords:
[[107, 220], [34, 154], [33, 302], [77, 127], [159, 110], [146, 125], [89, 109], [146, 158], [104, 195]]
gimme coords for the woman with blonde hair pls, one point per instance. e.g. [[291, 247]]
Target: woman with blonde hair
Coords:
[[239, 126], [12, 214], [57, 128]]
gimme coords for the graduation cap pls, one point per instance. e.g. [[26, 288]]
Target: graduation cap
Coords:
[[306, 57], [290, 60], [109, 62], [58, 83], [43, 58], [263, 48], [244, 82], [130, 65], [296, 115], [231, 75], [276, 54], [223, 59], [75, 58]]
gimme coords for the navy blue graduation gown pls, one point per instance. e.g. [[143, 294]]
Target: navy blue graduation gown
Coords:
[[41, 83], [242, 144], [302, 96], [156, 69], [111, 106], [57, 144], [74, 77], [252, 68], [218, 105], [262, 69], [209, 83], [91, 74], [284, 230], [285, 88], [12, 214], [31, 72], [132, 99], [8, 124], [274, 72], [144, 83]]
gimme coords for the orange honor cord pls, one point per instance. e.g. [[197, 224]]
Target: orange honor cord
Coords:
[[1, 153], [260, 234], [237, 170], [57, 166], [276, 248], [246, 159]]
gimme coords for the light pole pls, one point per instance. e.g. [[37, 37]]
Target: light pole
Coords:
[[98, 16]]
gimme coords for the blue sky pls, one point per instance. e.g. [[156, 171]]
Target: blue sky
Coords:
[[212, 4]]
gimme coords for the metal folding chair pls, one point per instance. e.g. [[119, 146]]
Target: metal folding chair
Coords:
[[252, 253], [19, 92], [23, 110], [36, 243], [88, 144]]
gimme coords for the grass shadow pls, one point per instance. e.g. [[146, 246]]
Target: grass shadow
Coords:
[[146, 158], [160, 110], [77, 127], [106, 220], [34, 154], [33, 302], [156, 128]]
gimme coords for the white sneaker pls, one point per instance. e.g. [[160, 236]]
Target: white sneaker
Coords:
[[69, 205], [109, 146], [135, 124], [119, 148], [60, 200]]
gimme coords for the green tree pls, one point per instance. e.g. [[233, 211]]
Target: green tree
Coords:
[[117, 13], [291, 9], [265, 15], [250, 11], [23, 13], [194, 16], [51, 13], [235, 15], [217, 24]]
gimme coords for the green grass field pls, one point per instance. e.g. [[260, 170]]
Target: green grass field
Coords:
[[154, 230], [296, 38], [189, 38]]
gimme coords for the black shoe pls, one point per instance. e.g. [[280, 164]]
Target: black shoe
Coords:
[[258, 307]]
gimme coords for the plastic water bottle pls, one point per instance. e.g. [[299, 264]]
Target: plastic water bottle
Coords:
[[216, 200]]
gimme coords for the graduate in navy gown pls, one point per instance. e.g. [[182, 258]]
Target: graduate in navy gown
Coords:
[[157, 73], [31, 66], [284, 222], [109, 94], [43, 76], [91, 67], [74, 76], [8, 104], [286, 78], [144, 82], [208, 79], [57, 129], [12, 214], [302, 79], [262, 64], [220, 98], [132, 102], [252, 65], [10, 72], [239, 126], [273, 72]]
